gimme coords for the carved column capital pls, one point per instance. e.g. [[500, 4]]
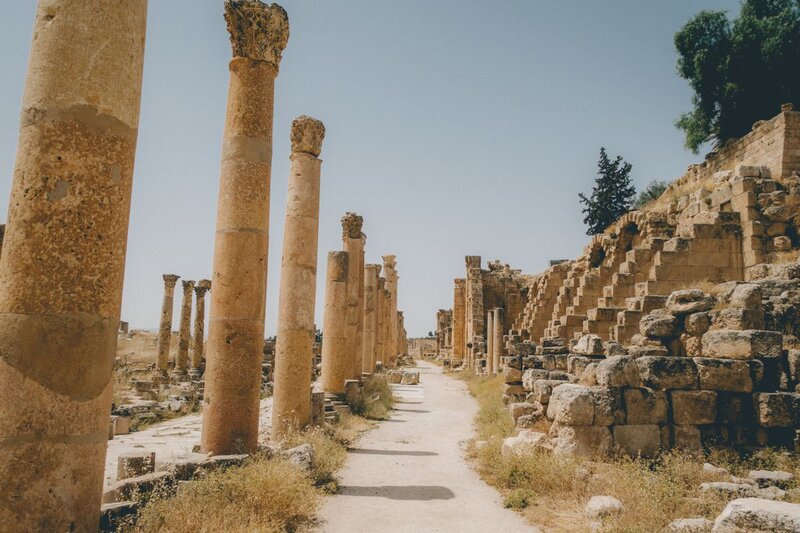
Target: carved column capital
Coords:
[[188, 286], [307, 135], [389, 263], [371, 267], [170, 280], [351, 226], [202, 287], [258, 31]]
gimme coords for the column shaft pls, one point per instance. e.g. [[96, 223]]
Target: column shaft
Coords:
[[497, 341], [185, 334], [199, 326], [380, 330], [63, 260], [459, 344], [368, 358], [334, 327], [490, 343], [353, 244], [165, 326]]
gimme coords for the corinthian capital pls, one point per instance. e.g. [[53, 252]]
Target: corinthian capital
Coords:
[[203, 286], [258, 31], [389, 263], [307, 135], [188, 286], [170, 280], [351, 226]]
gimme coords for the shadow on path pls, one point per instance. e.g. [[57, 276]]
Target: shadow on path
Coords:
[[368, 451], [411, 410], [393, 492]]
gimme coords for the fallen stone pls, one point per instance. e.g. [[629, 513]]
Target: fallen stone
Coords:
[[746, 296], [524, 442], [697, 323], [519, 409], [135, 464], [589, 345], [543, 388], [571, 405], [658, 326], [664, 373], [739, 490], [690, 525], [618, 371], [772, 478], [708, 468], [302, 456], [141, 487], [771, 493], [688, 301], [758, 515], [602, 506]]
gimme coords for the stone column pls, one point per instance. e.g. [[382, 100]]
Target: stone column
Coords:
[[387, 331], [380, 330], [402, 348], [63, 260], [371, 273], [180, 372], [165, 328], [459, 345], [200, 290], [497, 333], [259, 33], [390, 272], [294, 349], [335, 369], [353, 244], [490, 343]]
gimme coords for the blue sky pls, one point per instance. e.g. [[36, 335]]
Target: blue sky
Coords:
[[454, 127]]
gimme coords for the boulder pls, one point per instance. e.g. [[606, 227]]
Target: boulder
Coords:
[[690, 525], [688, 301], [758, 515], [525, 442], [746, 296], [618, 371], [656, 326], [746, 344], [694, 407], [602, 506], [664, 373], [772, 478], [697, 323], [728, 375], [589, 345], [302, 456], [571, 405], [645, 406], [519, 409], [584, 441], [140, 487], [638, 440]]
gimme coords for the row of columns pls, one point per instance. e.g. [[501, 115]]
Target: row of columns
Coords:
[[186, 338]]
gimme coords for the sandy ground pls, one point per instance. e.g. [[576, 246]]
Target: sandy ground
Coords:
[[171, 440], [410, 474]]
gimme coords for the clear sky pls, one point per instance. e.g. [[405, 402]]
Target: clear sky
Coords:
[[454, 127]]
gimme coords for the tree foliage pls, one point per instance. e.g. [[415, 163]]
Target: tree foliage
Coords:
[[611, 196], [653, 190], [740, 70]]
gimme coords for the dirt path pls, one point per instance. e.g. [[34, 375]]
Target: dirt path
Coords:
[[409, 474]]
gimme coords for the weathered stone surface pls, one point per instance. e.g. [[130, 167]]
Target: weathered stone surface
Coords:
[[608, 407], [543, 388], [576, 364], [772, 478], [114, 515], [746, 296], [732, 344], [694, 407], [530, 376], [663, 373], [777, 409], [571, 405], [302, 456], [589, 345], [584, 441], [134, 464], [687, 438], [601, 506], [738, 319], [729, 489], [512, 375], [136, 488], [519, 409], [697, 323], [512, 389], [645, 406], [724, 374], [758, 515], [688, 301], [589, 375], [618, 371], [690, 525], [638, 440], [658, 326], [526, 441]]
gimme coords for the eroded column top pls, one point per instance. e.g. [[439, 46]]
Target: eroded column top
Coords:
[[258, 31], [170, 279], [188, 286], [351, 226], [203, 286], [371, 267], [389, 264], [307, 135]]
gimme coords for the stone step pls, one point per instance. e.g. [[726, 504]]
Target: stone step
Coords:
[[606, 314]]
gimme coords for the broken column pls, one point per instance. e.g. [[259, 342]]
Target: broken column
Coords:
[[200, 290], [497, 338], [371, 274], [390, 272], [291, 405], [63, 260], [353, 243], [490, 343], [459, 348], [259, 33], [180, 372], [335, 368], [165, 328]]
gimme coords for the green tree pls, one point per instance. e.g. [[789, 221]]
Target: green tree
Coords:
[[740, 70], [611, 195], [654, 189]]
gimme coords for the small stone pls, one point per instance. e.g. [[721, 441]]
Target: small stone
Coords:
[[601, 506], [708, 468]]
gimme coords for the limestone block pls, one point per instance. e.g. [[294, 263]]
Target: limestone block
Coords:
[[692, 346], [638, 440], [136, 488], [558, 375], [122, 425], [772, 478], [658, 327], [694, 407], [615, 348], [576, 364], [758, 515], [608, 407], [513, 389], [562, 362], [602, 506], [135, 464], [543, 388], [697, 323], [571, 405], [589, 375], [688, 301], [525, 442], [747, 171], [731, 344], [777, 409], [531, 376], [746, 296], [645, 406], [664, 373], [793, 360], [690, 525], [618, 371], [113, 516], [302, 456], [687, 438], [735, 408], [519, 409], [729, 489], [723, 374], [512, 375], [739, 319], [584, 441], [589, 345]]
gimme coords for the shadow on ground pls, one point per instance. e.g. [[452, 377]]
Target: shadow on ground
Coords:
[[392, 492], [368, 451]]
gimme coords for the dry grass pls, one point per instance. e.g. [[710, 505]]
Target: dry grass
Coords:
[[375, 400], [329, 454], [264, 496], [552, 491]]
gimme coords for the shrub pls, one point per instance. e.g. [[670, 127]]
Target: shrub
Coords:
[[375, 400]]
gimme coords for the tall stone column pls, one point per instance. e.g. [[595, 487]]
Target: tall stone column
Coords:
[[294, 349], [497, 341], [380, 329], [459, 345], [387, 328], [200, 290], [335, 369], [63, 260], [180, 372], [402, 347], [259, 33], [353, 244], [490, 343], [371, 273], [390, 272], [165, 328]]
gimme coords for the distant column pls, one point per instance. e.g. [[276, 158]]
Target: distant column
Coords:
[[497, 333], [200, 290], [335, 369], [353, 243], [390, 272], [380, 329], [490, 343], [165, 327], [259, 33], [180, 372], [458, 342], [294, 349], [63, 260], [371, 274]]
